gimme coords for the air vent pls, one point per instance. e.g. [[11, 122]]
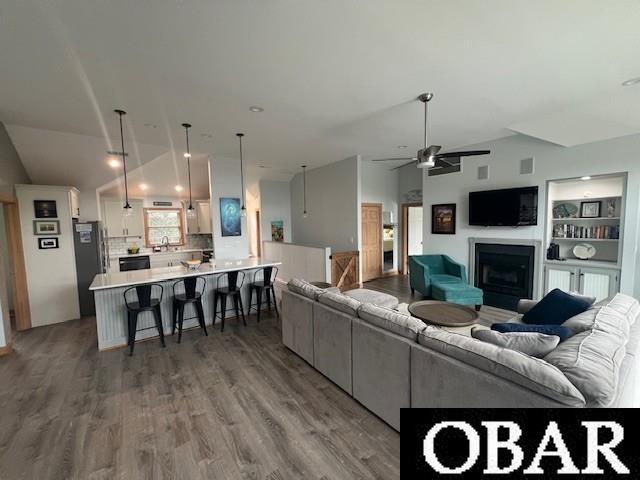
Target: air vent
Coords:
[[526, 166], [483, 172]]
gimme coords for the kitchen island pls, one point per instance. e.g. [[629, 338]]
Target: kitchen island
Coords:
[[108, 289]]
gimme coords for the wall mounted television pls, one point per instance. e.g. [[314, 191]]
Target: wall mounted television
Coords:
[[507, 207]]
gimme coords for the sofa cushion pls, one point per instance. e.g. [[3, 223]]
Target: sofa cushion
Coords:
[[583, 321], [391, 320], [625, 305], [340, 302], [304, 288], [529, 372], [531, 343], [591, 359], [559, 330], [444, 278], [556, 307], [364, 295]]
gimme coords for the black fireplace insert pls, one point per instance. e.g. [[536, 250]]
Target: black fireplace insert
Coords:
[[504, 273]]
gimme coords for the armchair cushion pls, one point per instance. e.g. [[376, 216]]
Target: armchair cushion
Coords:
[[444, 278]]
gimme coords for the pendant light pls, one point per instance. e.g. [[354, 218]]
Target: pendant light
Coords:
[[243, 209], [191, 212], [127, 209], [305, 214]]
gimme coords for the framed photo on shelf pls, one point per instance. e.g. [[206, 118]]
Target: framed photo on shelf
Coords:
[[443, 219], [46, 227], [589, 209], [47, 243]]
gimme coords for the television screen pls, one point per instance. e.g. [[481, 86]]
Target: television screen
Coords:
[[507, 207]]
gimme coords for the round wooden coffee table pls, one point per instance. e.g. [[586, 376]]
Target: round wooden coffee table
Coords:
[[443, 313]]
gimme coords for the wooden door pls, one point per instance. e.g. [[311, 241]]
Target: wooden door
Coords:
[[371, 241]]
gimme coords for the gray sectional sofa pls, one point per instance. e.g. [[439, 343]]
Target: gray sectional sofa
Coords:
[[388, 360]]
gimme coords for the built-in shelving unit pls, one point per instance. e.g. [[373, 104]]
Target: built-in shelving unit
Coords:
[[567, 227]]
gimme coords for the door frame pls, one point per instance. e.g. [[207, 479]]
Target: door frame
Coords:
[[21, 308], [381, 259], [404, 226]]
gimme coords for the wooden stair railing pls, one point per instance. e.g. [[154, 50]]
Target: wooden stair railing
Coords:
[[345, 270]]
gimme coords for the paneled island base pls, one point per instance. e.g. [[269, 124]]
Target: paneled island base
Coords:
[[111, 312]]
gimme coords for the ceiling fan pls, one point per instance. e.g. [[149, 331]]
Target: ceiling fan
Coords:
[[428, 157]]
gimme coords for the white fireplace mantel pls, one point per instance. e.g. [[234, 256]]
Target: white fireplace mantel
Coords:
[[537, 259]]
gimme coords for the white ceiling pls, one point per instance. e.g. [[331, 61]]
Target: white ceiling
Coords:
[[335, 77]]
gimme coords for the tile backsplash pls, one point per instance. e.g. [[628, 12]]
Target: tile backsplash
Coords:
[[119, 245]]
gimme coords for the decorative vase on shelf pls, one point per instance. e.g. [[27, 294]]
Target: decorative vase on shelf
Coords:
[[611, 207]]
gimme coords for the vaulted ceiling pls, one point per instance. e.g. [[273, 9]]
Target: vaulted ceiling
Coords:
[[335, 77]]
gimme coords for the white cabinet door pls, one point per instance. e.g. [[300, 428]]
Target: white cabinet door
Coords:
[[204, 217], [559, 277], [74, 204], [113, 218], [134, 224], [598, 283]]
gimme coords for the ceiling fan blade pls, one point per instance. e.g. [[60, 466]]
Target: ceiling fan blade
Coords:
[[442, 163], [433, 149], [394, 159], [468, 153], [409, 163]]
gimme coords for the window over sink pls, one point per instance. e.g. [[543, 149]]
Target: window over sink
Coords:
[[163, 222]]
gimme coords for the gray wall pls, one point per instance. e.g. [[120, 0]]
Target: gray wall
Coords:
[[333, 204], [275, 204], [11, 169], [551, 162]]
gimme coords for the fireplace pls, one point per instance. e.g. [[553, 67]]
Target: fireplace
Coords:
[[505, 273]]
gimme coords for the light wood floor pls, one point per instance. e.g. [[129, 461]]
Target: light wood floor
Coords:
[[232, 405]]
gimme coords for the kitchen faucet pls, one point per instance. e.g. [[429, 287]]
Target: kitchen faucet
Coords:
[[165, 243]]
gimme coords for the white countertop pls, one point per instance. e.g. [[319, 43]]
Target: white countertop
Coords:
[[153, 254], [137, 277]]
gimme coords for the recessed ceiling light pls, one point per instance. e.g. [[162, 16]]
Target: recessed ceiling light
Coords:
[[114, 163], [144, 186], [585, 178], [206, 135], [179, 188], [402, 146], [151, 125], [187, 155], [256, 109], [631, 81]]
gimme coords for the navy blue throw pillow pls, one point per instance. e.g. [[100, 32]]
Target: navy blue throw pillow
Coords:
[[559, 330], [555, 308]]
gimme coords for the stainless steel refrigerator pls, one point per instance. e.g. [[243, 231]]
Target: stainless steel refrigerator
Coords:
[[91, 259]]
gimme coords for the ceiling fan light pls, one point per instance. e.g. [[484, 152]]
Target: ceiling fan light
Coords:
[[428, 163]]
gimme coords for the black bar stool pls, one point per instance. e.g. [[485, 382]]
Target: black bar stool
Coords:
[[232, 289], [265, 285], [147, 298], [193, 290]]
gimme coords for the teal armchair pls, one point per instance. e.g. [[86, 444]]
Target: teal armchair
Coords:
[[425, 270]]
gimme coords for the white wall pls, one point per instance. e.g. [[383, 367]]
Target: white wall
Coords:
[[333, 204], [51, 274], [224, 175], [381, 185], [551, 162], [275, 204]]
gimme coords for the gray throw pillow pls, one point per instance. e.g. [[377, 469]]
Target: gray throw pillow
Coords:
[[530, 343]]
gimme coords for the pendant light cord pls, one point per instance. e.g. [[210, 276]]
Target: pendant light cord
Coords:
[[304, 187], [240, 135], [186, 128], [124, 161], [425, 124]]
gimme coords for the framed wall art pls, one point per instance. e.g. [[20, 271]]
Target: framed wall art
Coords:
[[46, 227], [443, 219]]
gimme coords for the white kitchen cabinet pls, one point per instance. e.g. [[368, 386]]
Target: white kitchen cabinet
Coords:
[[74, 203], [204, 217], [113, 218], [591, 281], [120, 226]]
